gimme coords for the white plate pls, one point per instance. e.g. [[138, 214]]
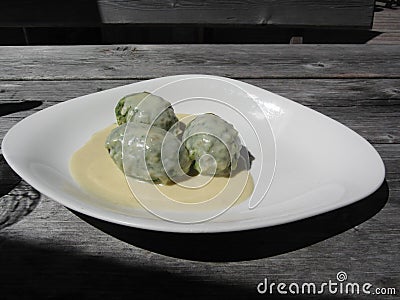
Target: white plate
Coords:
[[321, 165]]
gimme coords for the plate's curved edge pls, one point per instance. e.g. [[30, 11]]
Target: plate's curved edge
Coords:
[[176, 227], [284, 99]]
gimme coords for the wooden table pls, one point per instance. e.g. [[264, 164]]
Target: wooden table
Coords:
[[51, 252]]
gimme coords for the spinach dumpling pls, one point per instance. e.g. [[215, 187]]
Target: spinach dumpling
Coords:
[[213, 144], [148, 153], [147, 109]]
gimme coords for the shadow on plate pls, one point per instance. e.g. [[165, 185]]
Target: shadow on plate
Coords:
[[249, 244]]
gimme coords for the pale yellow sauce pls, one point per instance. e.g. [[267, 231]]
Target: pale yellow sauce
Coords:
[[93, 169]]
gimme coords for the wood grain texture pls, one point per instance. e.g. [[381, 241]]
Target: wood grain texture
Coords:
[[242, 61], [387, 38], [18, 203], [332, 13], [52, 247], [370, 107], [315, 92], [386, 21]]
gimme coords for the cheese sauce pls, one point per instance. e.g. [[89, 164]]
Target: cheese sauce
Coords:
[[94, 170]]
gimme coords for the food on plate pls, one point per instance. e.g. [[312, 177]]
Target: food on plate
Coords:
[[149, 147], [213, 144], [94, 170], [147, 144], [148, 153], [145, 108]]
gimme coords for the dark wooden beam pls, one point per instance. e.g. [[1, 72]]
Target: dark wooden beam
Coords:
[[301, 13], [328, 13]]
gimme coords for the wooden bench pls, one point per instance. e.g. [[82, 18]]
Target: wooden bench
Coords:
[[190, 21]]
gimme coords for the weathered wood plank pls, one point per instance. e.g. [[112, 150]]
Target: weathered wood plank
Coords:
[[387, 38], [387, 19], [390, 154], [315, 92], [336, 13], [387, 22], [370, 108], [376, 124], [243, 61]]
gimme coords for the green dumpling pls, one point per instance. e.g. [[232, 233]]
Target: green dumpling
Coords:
[[213, 144], [145, 108], [148, 153]]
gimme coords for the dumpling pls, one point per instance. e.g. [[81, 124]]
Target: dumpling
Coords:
[[149, 153], [213, 144], [147, 109]]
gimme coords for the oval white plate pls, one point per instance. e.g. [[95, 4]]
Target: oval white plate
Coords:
[[321, 165]]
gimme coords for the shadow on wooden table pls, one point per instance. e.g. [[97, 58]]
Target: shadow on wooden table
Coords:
[[30, 270], [15, 205], [249, 244], [17, 198], [10, 108], [34, 270], [9, 179]]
